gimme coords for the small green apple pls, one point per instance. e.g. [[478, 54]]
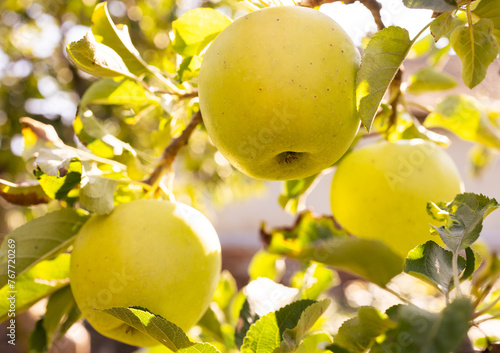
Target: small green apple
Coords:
[[158, 255], [380, 191], [277, 92]]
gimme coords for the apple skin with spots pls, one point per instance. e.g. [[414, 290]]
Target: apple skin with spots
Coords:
[[277, 92], [159, 255], [380, 191]]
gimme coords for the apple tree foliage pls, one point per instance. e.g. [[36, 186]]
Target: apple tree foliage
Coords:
[[135, 86]]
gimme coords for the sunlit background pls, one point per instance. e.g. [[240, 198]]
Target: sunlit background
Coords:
[[37, 80]]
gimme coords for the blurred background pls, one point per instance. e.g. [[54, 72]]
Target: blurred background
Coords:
[[37, 80]]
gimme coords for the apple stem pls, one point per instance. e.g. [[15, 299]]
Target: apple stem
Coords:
[[173, 149]]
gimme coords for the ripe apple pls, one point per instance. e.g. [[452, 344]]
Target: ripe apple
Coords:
[[158, 255], [277, 92], [380, 191]]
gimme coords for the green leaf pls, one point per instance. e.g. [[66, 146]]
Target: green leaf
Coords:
[[430, 79], [370, 259], [189, 68], [112, 92], [480, 158], [464, 116], [436, 5], [160, 329], [381, 61], [422, 331], [119, 40], [41, 280], [226, 290], [72, 317], [292, 337], [96, 58], [97, 194], [210, 323], [196, 28], [293, 192], [433, 264], [471, 265], [69, 175], [246, 319], [484, 279], [477, 48], [284, 328], [24, 194], [321, 240], [265, 264], [490, 9], [314, 343], [38, 339], [358, 334], [464, 219], [442, 25], [37, 240], [314, 280], [60, 304]]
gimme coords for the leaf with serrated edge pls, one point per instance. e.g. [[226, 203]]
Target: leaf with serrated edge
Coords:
[[381, 61], [39, 281], [442, 25], [293, 337], [427, 332], [266, 334], [433, 264], [162, 330], [356, 335], [436, 5], [40, 239], [490, 9], [96, 59], [464, 218], [476, 48], [108, 34]]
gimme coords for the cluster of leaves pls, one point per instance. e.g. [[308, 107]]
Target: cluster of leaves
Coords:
[[266, 316], [115, 158]]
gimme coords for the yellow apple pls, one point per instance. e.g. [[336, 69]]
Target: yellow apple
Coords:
[[380, 191], [158, 255], [277, 92]]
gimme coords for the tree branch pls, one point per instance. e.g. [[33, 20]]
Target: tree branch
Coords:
[[373, 5], [173, 149]]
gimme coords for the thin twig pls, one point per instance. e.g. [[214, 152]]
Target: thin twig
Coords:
[[494, 317], [397, 295], [173, 149], [373, 5], [488, 307]]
